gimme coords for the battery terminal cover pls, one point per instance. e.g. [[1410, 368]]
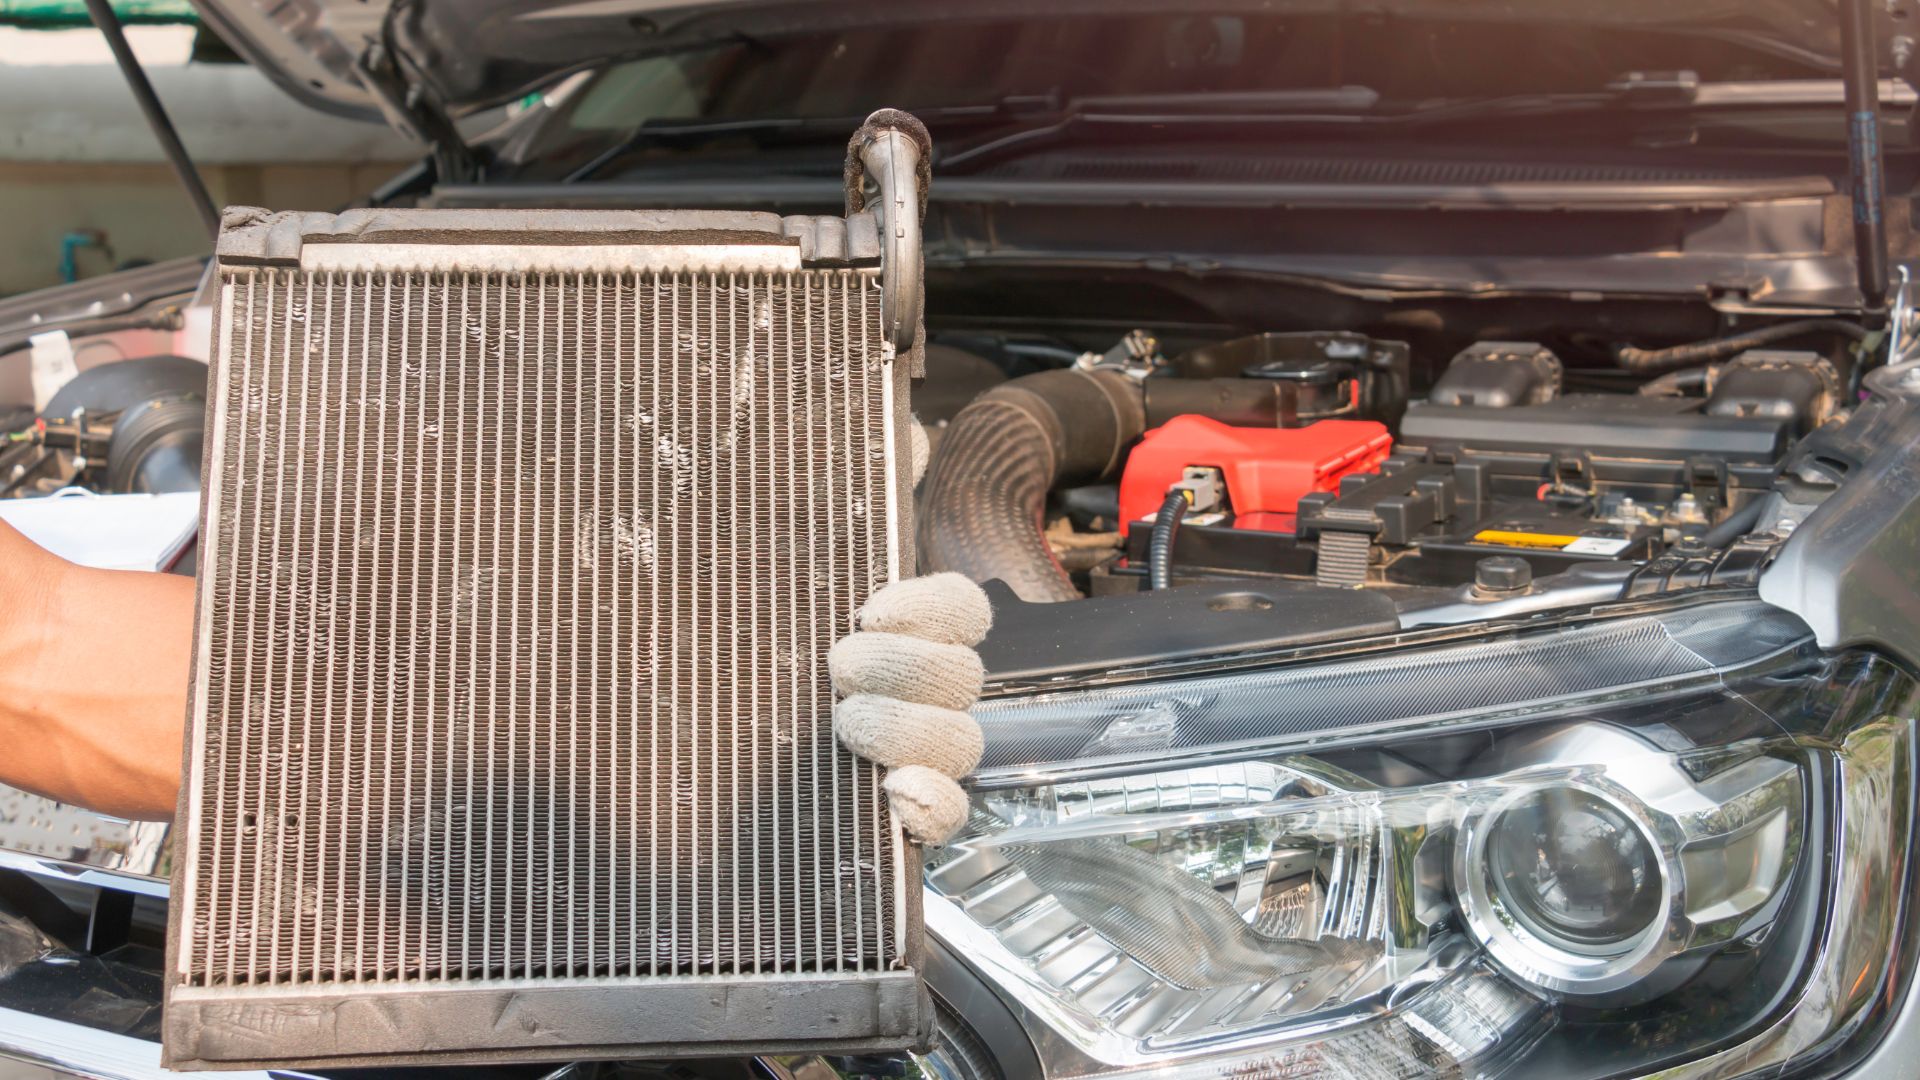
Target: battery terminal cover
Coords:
[[1266, 470]]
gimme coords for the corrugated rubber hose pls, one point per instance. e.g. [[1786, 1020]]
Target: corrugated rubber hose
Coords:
[[1166, 526], [984, 505], [986, 496]]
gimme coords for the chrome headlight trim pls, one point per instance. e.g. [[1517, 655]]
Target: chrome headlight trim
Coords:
[[1726, 848], [1524, 950]]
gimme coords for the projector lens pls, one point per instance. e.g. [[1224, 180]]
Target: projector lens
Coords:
[[1576, 870]]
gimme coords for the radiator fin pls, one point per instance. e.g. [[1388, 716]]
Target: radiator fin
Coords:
[[513, 659]]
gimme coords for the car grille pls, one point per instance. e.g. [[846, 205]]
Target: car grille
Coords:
[[511, 693]]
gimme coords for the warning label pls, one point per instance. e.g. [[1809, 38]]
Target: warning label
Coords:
[[1572, 545]]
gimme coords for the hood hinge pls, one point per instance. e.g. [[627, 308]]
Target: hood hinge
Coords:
[[415, 115]]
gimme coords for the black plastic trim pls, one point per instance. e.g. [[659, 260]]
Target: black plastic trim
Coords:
[[1034, 641]]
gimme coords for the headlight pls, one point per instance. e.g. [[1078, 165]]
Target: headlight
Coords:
[[1608, 847]]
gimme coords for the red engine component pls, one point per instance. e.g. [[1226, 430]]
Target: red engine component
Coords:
[[1266, 469]]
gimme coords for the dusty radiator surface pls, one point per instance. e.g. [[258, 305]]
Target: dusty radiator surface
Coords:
[[511, 733]]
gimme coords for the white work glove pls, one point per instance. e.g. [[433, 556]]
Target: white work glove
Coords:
[[908, 677]]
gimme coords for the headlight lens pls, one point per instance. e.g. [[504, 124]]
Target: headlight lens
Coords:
[[1477, 889], [1575, 870]]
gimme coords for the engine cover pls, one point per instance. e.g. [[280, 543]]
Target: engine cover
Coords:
[[526, 535], [1266, 470]]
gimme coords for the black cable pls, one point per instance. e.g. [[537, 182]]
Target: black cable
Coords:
[[163, 130], [1677, 383], [1650, 361], [1736, 525], [1166, 526]]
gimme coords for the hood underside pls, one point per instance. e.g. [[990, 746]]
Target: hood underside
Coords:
[[468, 55]]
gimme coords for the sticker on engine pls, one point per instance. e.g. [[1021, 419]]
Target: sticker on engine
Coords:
[[1509, 538], [1572, 545], [1597, 545]]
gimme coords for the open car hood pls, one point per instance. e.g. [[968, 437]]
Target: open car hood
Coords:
[[468, 55]]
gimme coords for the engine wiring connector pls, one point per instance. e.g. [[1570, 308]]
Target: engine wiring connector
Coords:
[[1201, 489], [1204, 487]]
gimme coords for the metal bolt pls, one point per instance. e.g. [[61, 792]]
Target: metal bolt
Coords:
[[1502, 574], [1902, 47], [1784, 526]]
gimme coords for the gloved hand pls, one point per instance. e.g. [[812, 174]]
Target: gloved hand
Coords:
[[908, 678]]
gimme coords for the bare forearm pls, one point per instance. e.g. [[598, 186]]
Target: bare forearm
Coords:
[[93, 681]]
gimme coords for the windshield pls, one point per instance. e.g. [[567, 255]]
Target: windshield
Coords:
[[988, 73]]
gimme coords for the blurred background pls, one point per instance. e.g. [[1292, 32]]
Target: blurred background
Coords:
[[86, 188]]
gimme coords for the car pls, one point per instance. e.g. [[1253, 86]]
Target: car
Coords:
[[1447, 478]]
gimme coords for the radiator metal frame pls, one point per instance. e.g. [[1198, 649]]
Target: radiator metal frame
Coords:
[[540, 1019]]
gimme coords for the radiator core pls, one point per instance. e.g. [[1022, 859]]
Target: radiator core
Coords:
[[511, 731]]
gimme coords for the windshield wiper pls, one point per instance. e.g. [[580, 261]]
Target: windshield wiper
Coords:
[[1037, 120], [652, 132], [1636, 93], [1330, 99], [834, 128]]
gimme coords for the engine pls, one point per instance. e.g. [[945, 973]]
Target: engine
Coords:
[[1301, 458]]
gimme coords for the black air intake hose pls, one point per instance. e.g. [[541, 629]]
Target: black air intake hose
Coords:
[[985, 500]]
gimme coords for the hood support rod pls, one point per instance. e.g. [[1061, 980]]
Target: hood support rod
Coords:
[[1860, 73], [163, 130]]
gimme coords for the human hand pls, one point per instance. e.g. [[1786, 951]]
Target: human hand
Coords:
[[908, 677], [94, 670]]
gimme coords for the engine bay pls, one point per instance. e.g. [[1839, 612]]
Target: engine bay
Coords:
[[1298, 461], [1306, 461]]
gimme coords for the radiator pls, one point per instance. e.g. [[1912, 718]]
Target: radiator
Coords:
[[526, 535]]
